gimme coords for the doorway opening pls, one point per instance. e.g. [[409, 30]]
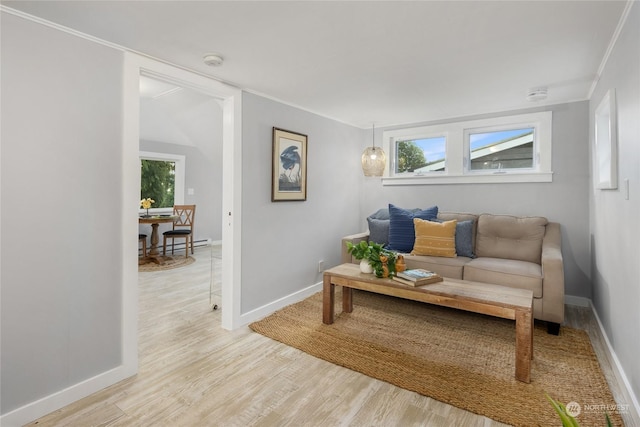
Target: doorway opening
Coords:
[[181, 164], [135, 68]]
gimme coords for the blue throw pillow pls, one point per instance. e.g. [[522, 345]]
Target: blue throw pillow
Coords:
[[402, 234], [464, 239]]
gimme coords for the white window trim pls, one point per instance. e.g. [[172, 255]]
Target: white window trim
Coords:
[[178, 195], [457, 162]]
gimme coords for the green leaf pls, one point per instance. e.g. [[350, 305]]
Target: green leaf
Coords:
[[567, 420]]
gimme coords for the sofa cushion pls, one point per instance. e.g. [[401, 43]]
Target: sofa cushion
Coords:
[[510, 237], [506, 272], [401, 229], [434, 238], [458, 216], [446, 267]]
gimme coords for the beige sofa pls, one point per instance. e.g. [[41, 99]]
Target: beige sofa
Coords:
[[520, 252]]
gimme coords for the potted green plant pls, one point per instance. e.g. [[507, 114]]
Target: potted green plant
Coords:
[[362, 251], [373, 258]]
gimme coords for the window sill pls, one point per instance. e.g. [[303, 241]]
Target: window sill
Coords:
[[498, 178]]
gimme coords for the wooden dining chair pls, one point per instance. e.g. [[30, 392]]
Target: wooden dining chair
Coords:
[[142, 238], [182, 228]]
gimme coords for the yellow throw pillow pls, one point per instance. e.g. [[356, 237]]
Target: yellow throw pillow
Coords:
[[435, 238]]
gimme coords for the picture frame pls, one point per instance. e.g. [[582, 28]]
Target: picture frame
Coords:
[[289, 166], [606, 142]]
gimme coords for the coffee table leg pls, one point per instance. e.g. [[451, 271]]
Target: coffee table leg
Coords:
[[524, 345], [347, 299], [532, 327], [328, 298]]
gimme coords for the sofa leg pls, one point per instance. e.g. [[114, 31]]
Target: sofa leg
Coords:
[[553, 328]]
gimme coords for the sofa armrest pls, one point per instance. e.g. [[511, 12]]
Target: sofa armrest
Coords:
[[355, 239], [553, 274]]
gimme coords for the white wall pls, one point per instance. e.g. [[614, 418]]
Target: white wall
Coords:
[[565, 200], [61, 211], [282, 242], [615, 229]]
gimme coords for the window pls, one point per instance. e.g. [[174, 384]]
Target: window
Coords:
[[502, 149], [420, 155], [162, 179], [506, 149], [158, 181]]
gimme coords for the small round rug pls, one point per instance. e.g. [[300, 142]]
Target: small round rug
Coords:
[[168, 263]]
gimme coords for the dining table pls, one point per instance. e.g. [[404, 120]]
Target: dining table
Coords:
[[155, 221]]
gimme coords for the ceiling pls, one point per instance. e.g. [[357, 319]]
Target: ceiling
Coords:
[[177, 115], [361, 62]]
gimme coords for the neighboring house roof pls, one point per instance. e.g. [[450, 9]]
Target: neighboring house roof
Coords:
[[483, 151]]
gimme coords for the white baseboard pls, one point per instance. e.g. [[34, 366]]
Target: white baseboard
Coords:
[[578, 301], [34, 410], [267, 309], [630, 404]]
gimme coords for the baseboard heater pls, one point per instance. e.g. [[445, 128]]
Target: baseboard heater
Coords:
[[180, 246]]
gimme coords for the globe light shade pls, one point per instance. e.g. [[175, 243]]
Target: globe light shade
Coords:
[[373, 161]]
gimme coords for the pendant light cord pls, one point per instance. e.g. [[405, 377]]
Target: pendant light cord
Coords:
[[373, 135]]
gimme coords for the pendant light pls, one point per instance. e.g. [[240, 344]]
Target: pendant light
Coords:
[[373, 159]]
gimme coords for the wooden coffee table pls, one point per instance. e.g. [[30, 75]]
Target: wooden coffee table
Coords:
[[484, 298]]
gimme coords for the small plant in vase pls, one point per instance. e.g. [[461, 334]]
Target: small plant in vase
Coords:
[[374, 258], [362, 251], [146, 204]]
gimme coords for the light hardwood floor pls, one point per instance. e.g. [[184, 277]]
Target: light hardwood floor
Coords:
[[194, 373]]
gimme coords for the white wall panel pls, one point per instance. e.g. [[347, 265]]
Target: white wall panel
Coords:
[[61, 204], [282, 242], [615, 230]]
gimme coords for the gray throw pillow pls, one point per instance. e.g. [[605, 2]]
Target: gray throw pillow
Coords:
[[464, 239], [378, 230], [380, 214]]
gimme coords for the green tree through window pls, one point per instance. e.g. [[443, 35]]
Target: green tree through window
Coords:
[[410, 157], [158, 182]]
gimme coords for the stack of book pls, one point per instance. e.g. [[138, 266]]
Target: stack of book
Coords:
[[417, 277]]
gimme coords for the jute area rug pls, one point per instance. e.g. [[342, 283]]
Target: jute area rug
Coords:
[[168, 263], [463, 359]]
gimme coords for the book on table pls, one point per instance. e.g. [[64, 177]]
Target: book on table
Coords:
[[422, 282], [417, 277]]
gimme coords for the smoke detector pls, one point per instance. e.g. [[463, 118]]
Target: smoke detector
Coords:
[[537, 94], [213, 60]]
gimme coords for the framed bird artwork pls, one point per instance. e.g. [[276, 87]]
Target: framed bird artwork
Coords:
[[289, 171]]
